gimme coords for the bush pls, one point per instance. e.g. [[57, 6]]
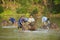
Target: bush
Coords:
[[0, 16], [21, 10], [1, 9], [35, 10]]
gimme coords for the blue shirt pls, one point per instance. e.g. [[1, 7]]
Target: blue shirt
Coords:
[[20, 20], [12, 20]]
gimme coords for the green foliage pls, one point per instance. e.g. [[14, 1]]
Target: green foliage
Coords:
[[1, 9], [57, 1], [35, 11], [24, 2], [56, 7], [0, 17], [40, 1], [36, 1], [22, 10], [7, 14]]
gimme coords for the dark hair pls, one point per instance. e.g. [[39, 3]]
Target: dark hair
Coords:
[[48, 19]]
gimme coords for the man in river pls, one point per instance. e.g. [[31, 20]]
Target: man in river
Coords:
[[31, 22], [45, 22], [22, 22], [12, 20]]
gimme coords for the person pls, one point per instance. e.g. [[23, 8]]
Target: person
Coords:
[[12, 20], [25, 19], [20, 21], [31, 21], [46, 22]]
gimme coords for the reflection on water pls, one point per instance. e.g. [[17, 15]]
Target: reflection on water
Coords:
[[40, 35], [31, 35]]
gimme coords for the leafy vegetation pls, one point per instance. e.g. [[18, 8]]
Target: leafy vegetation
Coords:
[[35, 11], [1, 9], [28, 7]]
